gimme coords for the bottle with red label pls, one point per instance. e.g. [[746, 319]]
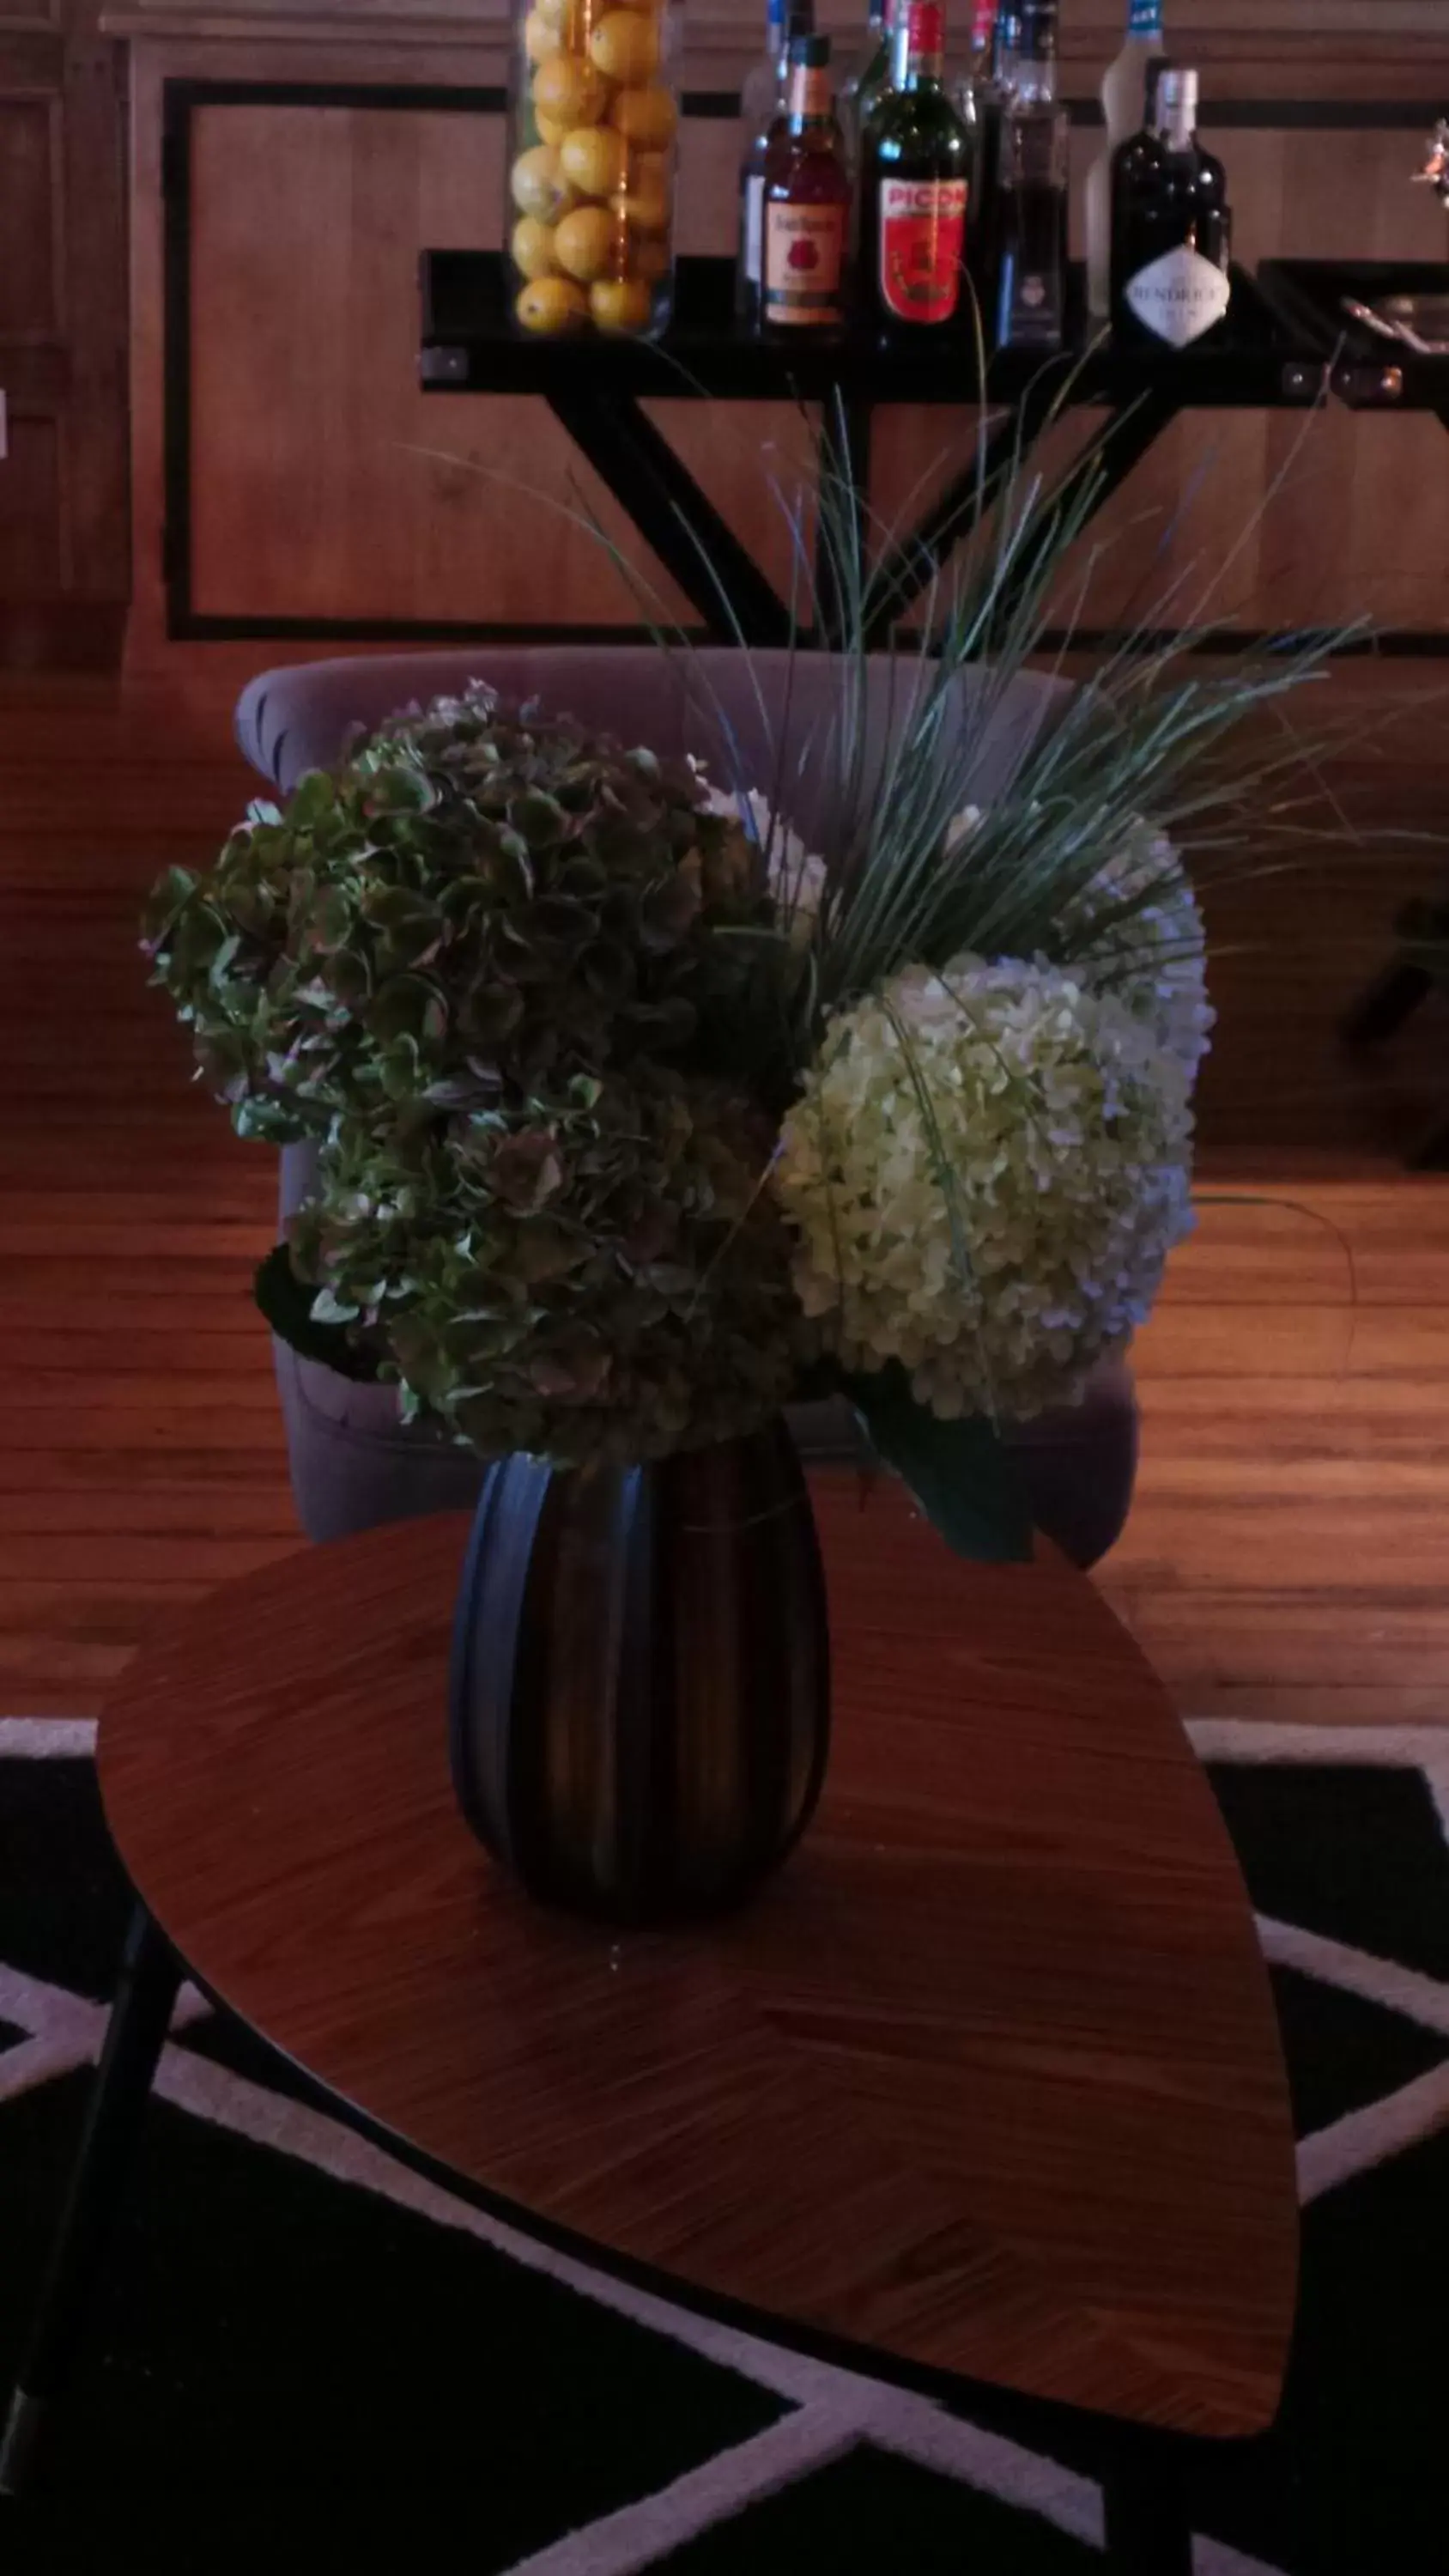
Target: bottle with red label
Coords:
[[916, 171], [806, 207]]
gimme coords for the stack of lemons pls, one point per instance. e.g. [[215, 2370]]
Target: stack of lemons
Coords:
[[591, 193]]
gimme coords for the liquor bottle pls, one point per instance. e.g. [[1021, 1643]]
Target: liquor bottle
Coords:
[[993, 99], [916, 170], [872, 71], [1029, 58], [968, 58], [1171, 227], [763, 99], [976, 70], [1031, 227], [1125, 111], [806, 203]]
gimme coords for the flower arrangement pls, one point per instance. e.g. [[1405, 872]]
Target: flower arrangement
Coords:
[[638, 1116]]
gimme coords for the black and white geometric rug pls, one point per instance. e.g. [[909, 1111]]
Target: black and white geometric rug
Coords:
[[309, 2358]]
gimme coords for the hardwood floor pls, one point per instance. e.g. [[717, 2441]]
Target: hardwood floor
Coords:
[[1289, 1549]]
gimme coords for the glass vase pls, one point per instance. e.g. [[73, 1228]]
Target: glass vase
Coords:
[[589, 231]]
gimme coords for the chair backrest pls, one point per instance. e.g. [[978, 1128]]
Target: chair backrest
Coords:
[[727, 708]]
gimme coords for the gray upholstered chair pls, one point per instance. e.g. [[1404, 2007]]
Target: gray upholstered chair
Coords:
[[353, 1461]]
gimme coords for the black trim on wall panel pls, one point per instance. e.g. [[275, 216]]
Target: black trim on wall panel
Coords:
[[1394, 644], [176, 103], [180, 99], [1295, 115], [435, 98], [204, 629]]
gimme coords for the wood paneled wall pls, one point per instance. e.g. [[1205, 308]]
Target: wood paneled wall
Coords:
[[326, 488], [64, 555]]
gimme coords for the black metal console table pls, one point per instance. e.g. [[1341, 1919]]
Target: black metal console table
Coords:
[[595, 389]]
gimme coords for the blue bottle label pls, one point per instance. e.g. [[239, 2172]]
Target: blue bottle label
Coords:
[[1144, 18]]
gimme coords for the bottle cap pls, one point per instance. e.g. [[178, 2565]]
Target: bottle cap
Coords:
[[1036, 39], [811, 52]]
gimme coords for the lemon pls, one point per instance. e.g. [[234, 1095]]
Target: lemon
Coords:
[[550, 130], [647, 117], [539, 187], [646, 210], [584, 242], [533, 249], [554, 13], [539, 38], [572, 92], [552, 304], [651, 176], [594, 159], [621, 303], [625, 46]]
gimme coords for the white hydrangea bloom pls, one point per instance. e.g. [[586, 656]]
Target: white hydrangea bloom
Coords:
[[1155, 960], [1066, 1130], [797, 875]]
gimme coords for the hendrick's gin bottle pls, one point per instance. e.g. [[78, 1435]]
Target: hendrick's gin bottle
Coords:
[[1171, 228], [915, 181]]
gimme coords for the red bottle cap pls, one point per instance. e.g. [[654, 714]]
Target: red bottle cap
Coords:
[[926, 20]]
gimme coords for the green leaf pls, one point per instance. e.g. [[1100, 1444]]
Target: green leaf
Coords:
[[286, 1301], [961, 1473], [168, 900], [312, 798]]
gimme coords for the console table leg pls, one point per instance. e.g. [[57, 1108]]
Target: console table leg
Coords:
[[140, 2017], [1149, 2531], [1387, 1002]]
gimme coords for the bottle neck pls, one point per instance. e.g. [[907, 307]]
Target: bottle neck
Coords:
[[1175, 118], [918, 44], [1029, 65], [811, 99]]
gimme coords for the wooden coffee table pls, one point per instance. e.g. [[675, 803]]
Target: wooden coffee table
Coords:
[[987, 2083]]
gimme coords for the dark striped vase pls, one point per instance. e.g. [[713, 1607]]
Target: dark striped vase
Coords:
[[641, 1677]]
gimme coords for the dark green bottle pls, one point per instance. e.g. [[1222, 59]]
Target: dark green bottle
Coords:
[[917, 157], [866, 82]]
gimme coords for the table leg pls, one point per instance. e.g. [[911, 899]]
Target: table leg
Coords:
[[140, 2018], [1385, 1004], [711, 565], [1149, 2531]]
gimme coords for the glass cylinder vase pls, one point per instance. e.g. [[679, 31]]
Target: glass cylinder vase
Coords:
[[589, 238]]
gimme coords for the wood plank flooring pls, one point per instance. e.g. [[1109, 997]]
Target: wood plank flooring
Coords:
[[1289, 1550]]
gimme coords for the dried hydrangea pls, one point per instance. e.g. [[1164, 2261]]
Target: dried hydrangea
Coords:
[[596, 1272], [986, 1171], [489, 966]]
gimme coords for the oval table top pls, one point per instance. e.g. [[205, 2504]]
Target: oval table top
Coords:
[[989, 2078]]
